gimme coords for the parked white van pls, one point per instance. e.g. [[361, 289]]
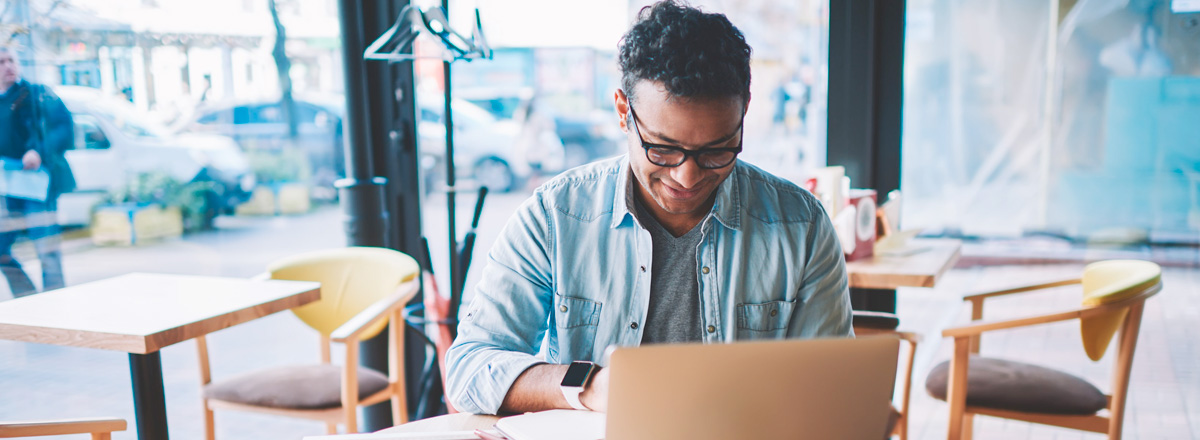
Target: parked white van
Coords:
[[114, 142]]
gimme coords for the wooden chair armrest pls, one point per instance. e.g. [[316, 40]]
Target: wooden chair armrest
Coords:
[[61, 427], [978, 328], [370, 315], [1012, 290], [912, 338]]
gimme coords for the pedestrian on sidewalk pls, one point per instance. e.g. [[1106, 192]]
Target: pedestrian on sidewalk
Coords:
[[35, 131]]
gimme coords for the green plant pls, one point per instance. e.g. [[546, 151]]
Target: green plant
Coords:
[[147, 188], [287, 165], [197, 201]]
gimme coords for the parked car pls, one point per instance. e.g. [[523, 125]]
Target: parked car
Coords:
[[114, 142], [585, 136], [499, 154], [259, 125]]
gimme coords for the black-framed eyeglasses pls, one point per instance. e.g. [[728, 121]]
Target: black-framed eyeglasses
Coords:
[[672, 156]]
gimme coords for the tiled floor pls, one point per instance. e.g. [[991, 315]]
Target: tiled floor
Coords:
[[1164, 401]]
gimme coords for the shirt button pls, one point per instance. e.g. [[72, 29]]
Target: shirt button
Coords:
[[643, 268], [704, 270], [712, 329], [633, 326], [773, 312], [562, 308]]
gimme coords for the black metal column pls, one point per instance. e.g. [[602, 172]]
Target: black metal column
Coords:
[[866, 65], [149, 402], [381, 195]]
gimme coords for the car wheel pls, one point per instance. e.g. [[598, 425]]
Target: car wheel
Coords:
[[495, 174]]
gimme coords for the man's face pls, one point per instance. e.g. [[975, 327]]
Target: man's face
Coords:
[[9, 69], [684, 191]]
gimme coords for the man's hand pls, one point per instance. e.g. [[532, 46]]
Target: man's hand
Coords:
[[595, 395], [31, 160]]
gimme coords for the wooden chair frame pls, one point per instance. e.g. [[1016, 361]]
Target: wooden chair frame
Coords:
[[349, 334], [99, 428], [900, 427], [966, 342]]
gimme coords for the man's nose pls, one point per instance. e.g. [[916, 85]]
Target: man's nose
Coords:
[[688, 174]]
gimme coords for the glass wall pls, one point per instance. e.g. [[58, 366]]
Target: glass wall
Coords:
[[1067, 118], [188, 159], [549, 91], [184, 162]]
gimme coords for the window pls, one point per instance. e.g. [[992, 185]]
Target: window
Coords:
[[88, 135], [1078, 123]]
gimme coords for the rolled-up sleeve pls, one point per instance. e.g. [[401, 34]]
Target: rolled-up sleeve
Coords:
[[504, 324], [825, 290]]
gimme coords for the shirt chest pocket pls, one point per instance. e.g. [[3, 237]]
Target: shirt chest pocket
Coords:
[[572, 312], [767, 320]]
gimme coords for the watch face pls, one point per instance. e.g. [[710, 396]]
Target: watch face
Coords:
[[577, 374]]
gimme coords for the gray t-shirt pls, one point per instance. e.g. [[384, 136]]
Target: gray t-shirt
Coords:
[[674, 314]]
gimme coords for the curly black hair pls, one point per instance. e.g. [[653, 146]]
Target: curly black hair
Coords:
[[692, 53]]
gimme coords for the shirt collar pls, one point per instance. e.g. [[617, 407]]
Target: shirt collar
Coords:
[[727, 209]]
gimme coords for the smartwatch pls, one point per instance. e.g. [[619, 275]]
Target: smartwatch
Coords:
[[576, 379]]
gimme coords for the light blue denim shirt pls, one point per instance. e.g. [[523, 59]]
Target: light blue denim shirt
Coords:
[[570, 276]]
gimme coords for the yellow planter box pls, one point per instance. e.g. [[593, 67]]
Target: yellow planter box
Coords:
[[287, 198], [262, 202], [128, 225], [293, 198]]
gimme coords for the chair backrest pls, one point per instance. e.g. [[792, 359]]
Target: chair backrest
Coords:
[[351, 279], [1106, 282]]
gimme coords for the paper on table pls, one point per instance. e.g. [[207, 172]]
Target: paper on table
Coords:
[[558, 424], [897, 244], [447, 435]]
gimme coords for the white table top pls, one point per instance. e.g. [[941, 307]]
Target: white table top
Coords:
[[142, 313]]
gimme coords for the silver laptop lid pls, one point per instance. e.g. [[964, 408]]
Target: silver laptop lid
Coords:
[[818, 389]]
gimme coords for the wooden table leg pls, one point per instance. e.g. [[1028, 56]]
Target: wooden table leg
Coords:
[[873, 300], [149, 401]]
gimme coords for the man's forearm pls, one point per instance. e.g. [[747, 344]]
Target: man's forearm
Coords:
[[536, 389]]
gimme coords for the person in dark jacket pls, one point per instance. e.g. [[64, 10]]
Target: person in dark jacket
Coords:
[[36, 129]]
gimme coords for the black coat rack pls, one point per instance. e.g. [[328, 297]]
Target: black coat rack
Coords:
[[395, 45]]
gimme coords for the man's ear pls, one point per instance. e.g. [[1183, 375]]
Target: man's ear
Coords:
[[621, 103]]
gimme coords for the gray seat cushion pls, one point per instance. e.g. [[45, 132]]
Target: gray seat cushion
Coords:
[[294, 387], [1017, 386]]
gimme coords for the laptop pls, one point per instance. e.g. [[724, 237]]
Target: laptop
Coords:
[[811, 389], [821, 389]]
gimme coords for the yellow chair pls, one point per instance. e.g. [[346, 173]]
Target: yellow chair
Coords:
[[867, 323], [1114, 296], [362, 290], [99, 428]]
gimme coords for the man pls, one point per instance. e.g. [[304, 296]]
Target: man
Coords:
[[35, 131], [676, 241]]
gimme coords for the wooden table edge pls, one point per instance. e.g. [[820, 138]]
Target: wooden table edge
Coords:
[[32, 334], [165, 338], [153, 342], [912, 280]]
